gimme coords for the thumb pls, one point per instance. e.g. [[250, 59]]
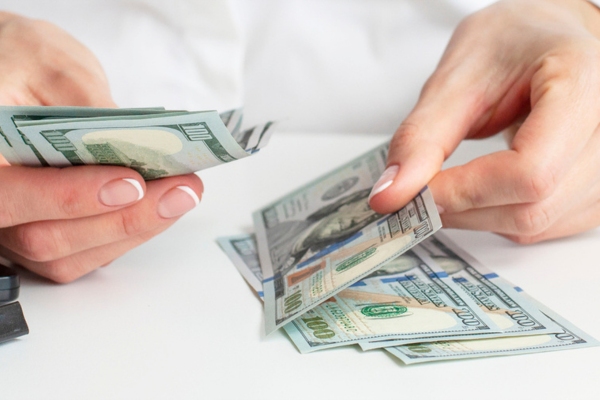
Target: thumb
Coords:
[[431, 132]]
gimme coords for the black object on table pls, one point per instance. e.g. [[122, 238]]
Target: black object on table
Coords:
[[12, 320]]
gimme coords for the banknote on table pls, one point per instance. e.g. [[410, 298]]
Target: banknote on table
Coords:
[[323, 237], [242, 251], [569, 337], [406, 298], [512, 312], [157, 143]]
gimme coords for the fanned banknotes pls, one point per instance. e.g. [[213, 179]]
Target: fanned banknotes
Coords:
[[569, 337], [323, 237], [512, 312], [155, 142], [405, 299], [336, 323]]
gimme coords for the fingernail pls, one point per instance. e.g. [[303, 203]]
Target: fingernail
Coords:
[[440, 209], [120, 192], [177, 201], [385, 181]]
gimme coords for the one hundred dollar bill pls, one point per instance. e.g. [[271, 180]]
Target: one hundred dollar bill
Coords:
[[512, 312], [157, 143], [18, 150], [569, 337], [404, 299], [242, 251], [323, 237]]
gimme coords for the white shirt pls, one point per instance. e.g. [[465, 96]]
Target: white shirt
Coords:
[[320, 65]]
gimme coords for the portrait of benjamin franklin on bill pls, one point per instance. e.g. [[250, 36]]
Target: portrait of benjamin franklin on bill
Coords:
[[331, 224]]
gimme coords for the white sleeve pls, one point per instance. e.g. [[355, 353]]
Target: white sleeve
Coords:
[[596, 2]]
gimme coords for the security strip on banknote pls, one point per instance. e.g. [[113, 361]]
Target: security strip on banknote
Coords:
[[155, 142], [406, 298], [323, 237], [241, 250], [569, 337], [512, 312], [312, 334]]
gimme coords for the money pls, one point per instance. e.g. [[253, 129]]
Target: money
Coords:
[[406, 299], [569, 337], [18, 151], [511, 312], [156, 143], [323, 237], [312, 331], [241, 250]]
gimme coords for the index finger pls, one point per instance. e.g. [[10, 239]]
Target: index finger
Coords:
[[35, 194]]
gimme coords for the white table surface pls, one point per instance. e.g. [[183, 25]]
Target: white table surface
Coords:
[[173, 319]]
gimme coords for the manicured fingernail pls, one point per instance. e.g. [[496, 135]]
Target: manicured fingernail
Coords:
[[177, 201], [385, 181], [440, 209], [120, 192]]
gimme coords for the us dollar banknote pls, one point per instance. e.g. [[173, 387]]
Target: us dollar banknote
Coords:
[[406, 298], [512, 312], [241, 250], [156, 143], [569, 337], [18, 151], [323, 237]]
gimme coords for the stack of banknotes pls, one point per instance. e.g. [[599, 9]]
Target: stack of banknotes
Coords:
[[332, 273], [155, 142]]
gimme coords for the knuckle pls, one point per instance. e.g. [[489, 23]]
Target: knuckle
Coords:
[[472, 22], [7, 217], [61, 271], [40, 244], [462, 197], [69, 201], [131, 223], [532, 220], [538, 184], [572, 64], [406, 134], [523, 239]]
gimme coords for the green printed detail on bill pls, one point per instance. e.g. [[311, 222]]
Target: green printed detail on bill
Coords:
[[155, 142], [323, 237], [569, 337], [330, 325], [355, 260], [384, 311]]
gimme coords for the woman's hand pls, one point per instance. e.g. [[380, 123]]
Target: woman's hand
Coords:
[[533, 66], [64, 223]]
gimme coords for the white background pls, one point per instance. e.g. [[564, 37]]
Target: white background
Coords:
[[173, 319]]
